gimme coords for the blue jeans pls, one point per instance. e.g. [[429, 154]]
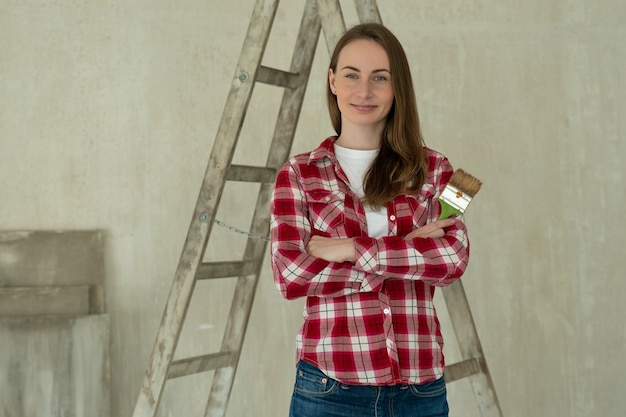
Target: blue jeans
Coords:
[[316, 395]]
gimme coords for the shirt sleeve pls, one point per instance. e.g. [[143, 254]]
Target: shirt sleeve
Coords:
[[296, 273], [437, 261]]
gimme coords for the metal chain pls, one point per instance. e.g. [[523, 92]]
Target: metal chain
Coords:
[[241, 232]]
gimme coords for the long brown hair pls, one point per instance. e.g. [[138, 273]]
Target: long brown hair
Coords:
[[401, 164]]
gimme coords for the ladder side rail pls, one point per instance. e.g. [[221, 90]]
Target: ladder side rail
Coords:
[[223, 377], [280, 148], [367, 10], [292, 100], [474, 365], [204, 214], [470, 347], [333, 22]]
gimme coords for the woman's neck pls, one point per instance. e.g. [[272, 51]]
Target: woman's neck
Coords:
[[362, 139]]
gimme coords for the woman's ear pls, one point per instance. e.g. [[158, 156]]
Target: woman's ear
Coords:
[[331, 80]]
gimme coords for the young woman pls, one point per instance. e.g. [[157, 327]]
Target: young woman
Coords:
[[354, 229]]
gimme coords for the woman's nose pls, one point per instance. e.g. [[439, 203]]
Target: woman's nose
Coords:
[[365, 89]]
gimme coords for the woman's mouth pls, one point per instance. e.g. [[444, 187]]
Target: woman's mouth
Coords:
[[363, 107]]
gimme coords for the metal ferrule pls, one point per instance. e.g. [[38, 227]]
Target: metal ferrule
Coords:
[[455, 198]]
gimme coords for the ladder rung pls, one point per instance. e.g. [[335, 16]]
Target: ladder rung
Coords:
[[278, 77], [195, 365], [208, 270], [250, 174], [462, 369]]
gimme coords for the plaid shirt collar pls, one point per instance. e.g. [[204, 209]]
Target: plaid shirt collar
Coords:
[[325, 150]]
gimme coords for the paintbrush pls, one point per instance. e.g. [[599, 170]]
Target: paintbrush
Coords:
[[459, 192]]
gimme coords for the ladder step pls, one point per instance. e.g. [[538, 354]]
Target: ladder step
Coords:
[[209, 270], [462, 369], [197, 364], [278, 77], [246, 173]]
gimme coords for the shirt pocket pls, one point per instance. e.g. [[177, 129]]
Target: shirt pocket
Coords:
[[326, 209]]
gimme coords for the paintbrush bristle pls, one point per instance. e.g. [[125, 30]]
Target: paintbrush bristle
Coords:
[[465, 182]]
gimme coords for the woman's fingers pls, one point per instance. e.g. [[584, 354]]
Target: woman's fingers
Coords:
[[435, 229]]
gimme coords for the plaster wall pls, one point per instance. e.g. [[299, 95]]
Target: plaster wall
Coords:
[[108, 110]]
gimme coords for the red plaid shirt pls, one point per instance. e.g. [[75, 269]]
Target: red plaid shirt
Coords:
[[371, 321]]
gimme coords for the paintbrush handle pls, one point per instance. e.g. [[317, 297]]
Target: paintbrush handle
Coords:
[[447, 210]]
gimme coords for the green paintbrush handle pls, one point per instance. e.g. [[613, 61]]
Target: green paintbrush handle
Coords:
[[447, 210]]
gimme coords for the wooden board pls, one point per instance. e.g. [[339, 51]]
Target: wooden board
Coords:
[[28, 301], [55, 366], [54, 259]]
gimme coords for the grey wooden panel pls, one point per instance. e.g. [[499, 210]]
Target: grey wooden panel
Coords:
[[54, 259], [27, 301], [55, 366], [51, 258]]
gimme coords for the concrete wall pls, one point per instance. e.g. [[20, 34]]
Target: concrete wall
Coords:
[[108, 110]]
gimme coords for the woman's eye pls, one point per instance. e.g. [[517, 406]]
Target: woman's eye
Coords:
[[353, 76], [380, 78]]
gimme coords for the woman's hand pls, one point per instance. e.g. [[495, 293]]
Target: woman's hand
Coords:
[[332, 250], [431, 230]]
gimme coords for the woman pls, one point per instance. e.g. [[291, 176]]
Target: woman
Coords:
[[354, 229]]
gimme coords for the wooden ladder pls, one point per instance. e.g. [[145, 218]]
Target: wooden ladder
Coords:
[[318, 15]]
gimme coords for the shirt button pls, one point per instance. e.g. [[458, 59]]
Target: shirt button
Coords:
[[389, 344], [392, 218], [327, 199], [386, 311]]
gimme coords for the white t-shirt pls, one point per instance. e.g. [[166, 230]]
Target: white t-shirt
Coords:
[[355, 164]]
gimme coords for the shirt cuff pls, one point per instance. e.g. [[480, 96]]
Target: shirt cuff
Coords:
[[367, 261], [366, 254]]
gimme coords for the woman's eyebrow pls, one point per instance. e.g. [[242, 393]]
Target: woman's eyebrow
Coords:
[[349, 67]]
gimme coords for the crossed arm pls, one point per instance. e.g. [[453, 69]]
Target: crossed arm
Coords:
[[306, 264], [343, 250]]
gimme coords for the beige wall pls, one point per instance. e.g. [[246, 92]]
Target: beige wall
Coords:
[[108, 110]]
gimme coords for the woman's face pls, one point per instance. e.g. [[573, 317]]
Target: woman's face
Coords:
[[362, 84]]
